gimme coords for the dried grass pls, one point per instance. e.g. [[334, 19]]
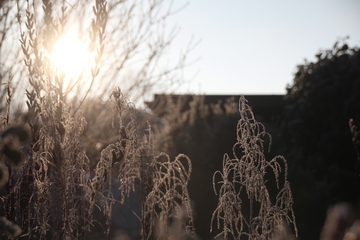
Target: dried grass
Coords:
[[245, 208]]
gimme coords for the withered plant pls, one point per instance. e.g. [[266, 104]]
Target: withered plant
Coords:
[[53, 195], [161, 182], [167, 206], [246, 208]]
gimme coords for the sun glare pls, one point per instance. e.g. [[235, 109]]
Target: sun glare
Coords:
[[70, 55]]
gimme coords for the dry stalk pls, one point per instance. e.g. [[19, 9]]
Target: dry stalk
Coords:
[[246, 210]]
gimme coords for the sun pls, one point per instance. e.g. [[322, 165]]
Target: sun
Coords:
[[70, 55]]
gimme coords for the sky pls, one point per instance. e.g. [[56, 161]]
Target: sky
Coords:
[[254, 46]]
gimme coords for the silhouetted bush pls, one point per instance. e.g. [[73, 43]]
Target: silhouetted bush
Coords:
[[316, 138]]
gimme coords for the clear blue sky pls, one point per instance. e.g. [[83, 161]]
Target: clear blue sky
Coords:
[[253, 46]]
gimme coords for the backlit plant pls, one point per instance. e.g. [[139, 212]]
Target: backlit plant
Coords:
[[246, 210]]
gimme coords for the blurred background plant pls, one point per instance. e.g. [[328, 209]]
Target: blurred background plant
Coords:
[[12, 141]]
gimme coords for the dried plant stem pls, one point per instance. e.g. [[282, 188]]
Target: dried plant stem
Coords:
[[161, 182], [245, 206]]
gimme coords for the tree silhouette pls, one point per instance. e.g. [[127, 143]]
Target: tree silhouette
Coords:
[[314, 128]]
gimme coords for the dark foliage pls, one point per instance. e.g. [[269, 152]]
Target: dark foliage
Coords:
[[316, 137], [10, 144]]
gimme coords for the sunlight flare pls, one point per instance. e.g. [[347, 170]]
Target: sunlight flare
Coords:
[[70, 55]]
